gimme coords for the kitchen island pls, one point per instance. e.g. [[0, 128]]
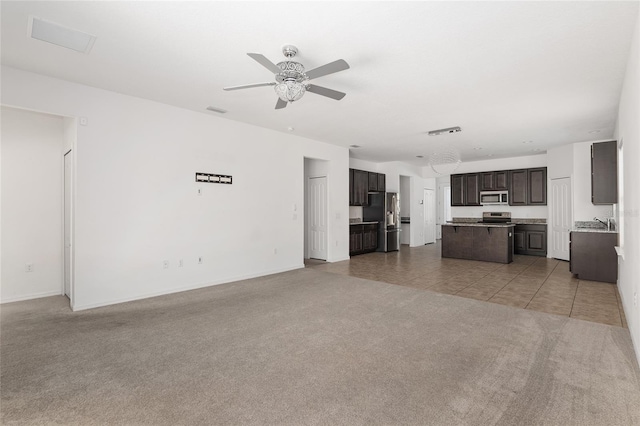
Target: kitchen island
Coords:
[[489, 242]]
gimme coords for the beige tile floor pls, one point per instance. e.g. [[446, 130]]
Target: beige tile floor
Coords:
[[530, 282]]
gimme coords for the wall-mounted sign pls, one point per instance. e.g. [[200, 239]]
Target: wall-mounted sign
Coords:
[[212, 178]]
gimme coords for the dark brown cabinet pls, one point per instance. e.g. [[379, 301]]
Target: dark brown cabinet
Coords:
[[382, 182], [530, 239], [526, 187], [593, 256], [359, 188], [465, 190], [487, 243], [501, 180], [457, 190], [472, 189], [604, 173], [361, 183], [488, 181], [518, 187], [363, 238], [537, 187]]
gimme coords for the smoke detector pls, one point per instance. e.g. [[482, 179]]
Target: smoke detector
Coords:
[[447, 130]]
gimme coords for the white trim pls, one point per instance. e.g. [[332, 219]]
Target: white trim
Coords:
[[340, 259], [30, 296], [186, 288]]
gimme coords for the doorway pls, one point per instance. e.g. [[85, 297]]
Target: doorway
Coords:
[[561, 217], [317, 217], [68, 196], [429, 205]]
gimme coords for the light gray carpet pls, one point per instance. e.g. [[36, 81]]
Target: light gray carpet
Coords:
[[310, 347]]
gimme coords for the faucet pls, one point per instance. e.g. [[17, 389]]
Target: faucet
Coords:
[[607, 224]]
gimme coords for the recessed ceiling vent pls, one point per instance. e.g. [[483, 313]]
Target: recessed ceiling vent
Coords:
[[447, 130], [53, 33], [218, 110]]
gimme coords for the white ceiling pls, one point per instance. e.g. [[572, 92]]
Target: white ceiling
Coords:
[[506, 72]]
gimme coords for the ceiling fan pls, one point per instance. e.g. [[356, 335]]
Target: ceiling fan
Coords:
[[291, 79]]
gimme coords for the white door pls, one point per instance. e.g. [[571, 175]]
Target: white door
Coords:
[[561, 217], [68, 188], [429, 216], [318, 218]]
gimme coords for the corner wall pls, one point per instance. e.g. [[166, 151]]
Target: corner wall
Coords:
[[32, 191], [137, 203], [628, 131]]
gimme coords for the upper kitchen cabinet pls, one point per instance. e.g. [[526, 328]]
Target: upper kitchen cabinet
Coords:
[[537, 187], [465, 190], [518, 187], [360, 188], [487, 181], [351, 187], [457, 190], [501, 180], [472, 189], [382, 182], [604, 173], [494, 181]]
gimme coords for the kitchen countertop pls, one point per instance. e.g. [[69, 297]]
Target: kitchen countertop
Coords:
[[484, 225], [515, 221], [599, 230], [363, 223]]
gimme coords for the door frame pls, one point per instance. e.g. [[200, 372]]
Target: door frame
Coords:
[[71, 226]]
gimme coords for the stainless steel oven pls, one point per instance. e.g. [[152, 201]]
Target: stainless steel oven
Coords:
[[494, 198]]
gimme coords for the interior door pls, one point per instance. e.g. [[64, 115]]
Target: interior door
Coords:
[[561, 217], [318, 218], [429, 216], [68, 188]]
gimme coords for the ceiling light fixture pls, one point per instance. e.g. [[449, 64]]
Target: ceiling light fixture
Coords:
[[354, 146], [419, 156], [291, 80], [53, 33], [445, 162]]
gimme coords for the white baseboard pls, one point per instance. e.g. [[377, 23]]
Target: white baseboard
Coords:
[[186, 288], [30, 296]]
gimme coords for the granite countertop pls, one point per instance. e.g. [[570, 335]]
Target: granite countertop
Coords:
[[515, 221], [599, 230], [363, 223], [483, 225], [593, 226]]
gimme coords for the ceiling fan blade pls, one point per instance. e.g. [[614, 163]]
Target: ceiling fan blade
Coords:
[[329, 93], [281, 104], [330, 68], [249, 86], [262, 60]]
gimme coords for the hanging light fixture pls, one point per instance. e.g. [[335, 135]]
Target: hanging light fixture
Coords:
[[445, 161], [291, 81]]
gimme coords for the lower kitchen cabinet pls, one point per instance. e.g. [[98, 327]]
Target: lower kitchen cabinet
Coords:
[[363, 238], [593, 256], [530, 240], [487, 243]]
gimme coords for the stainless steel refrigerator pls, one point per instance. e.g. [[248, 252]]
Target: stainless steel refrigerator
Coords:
[[384, 208]]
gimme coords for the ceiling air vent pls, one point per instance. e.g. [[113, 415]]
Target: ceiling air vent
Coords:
[[218, 110], [53, 33], [447, 130]]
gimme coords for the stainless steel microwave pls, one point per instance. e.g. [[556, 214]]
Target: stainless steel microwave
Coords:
[[494, 198]]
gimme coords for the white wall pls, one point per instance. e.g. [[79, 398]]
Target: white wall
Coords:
[[137, 203], [628, 131], [32, 191]]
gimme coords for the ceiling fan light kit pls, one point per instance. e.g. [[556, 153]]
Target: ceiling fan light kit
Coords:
[[291, 80]]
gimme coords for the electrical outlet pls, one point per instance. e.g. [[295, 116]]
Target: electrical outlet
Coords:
[[180, 263], [165, 264], [635, 299], [200, 260], [28, 267], [199, 191]]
